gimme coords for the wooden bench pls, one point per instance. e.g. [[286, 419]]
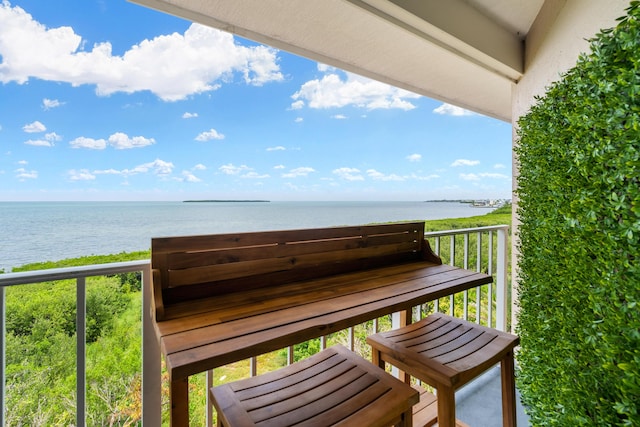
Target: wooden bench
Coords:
[[227, 297]]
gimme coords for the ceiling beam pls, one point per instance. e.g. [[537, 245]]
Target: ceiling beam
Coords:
[[456, 26]]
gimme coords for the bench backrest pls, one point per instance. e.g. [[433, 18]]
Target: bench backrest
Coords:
[[195, 267]]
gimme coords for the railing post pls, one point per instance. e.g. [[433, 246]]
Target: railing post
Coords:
[[501, 281], [151, 359], [81, 351], [209, 411]]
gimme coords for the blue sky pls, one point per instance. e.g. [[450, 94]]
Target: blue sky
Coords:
[[108, 100]]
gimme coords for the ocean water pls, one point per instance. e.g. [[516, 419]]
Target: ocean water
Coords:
[[51, 231]]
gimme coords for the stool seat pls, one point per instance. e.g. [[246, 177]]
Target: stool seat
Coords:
[[446, 353], [333, 387]]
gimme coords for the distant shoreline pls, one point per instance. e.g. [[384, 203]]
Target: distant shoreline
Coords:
[[226, 201], [449, 201]]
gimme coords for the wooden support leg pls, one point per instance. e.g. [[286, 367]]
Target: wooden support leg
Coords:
[[406, 318], [446, 406], [406, 419], [179, 396], [508, 391], [376, 359]]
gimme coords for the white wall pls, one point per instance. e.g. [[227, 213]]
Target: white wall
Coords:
[[559, 34]]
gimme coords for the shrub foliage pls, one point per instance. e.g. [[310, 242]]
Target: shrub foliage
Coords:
[[579, 269]]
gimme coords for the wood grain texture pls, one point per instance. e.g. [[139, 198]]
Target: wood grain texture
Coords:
[[446, 353], [223, 298], [333, 387]]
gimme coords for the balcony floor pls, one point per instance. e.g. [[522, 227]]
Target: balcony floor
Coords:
[[479, 403]]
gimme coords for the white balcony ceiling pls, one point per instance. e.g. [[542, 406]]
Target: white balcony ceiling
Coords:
[[465, 52]]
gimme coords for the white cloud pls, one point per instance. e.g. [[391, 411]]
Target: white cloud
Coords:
[[333, 92], [469, 177], [83, 142], [414, 157], [48, 104], [298, 120], [255, 175], [108, 172], [81, 175], [34, 127], [297, 105], [499, 166], [22, 174], [209, 135], [279, 167], [325, 68], [199, 167], [39, 143], [349, 174], [49, 140], [465, 162], [159, 167], [121, 141], [301, 171], [190, 177], [479, 176], [53, 137], [171, 66], [339, 117], [452, 110], [188, 115], [494, 175], [242, 171], [424, 177], [379, 176], [276, 148], [231, 169]]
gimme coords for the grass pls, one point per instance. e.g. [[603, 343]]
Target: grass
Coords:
[[499, 216]]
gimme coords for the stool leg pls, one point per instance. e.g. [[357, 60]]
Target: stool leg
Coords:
[[508, 391], [406, 419], [376, 359], [446, 406]]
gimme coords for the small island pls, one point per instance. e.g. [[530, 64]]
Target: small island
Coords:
[[226, 201]]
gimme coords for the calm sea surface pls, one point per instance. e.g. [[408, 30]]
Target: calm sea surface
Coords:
[[51, 231]]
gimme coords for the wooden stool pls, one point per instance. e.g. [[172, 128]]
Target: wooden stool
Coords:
[[333, 387], [447, 353]]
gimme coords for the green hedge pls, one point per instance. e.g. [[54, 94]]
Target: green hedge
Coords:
[[579, 264]]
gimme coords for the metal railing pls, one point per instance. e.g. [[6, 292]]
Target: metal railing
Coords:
[[493, 260], [151, 360], [454, 246]]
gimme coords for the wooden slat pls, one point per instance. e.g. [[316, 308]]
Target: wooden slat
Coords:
[[333, 387], [180, 260], [257, 267], [234, 240], [319, 300], [218, 264], [255, 302], [323, 314], [197, 350]]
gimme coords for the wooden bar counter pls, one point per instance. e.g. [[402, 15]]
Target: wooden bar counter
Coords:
[[224, 298]]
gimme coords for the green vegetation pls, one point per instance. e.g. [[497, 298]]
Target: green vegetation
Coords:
[[41, 342], [579, 190], [500, 216]]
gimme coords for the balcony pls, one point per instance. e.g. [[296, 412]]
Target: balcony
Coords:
[[481, 249]]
